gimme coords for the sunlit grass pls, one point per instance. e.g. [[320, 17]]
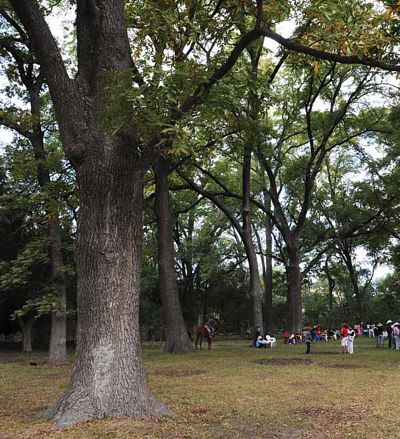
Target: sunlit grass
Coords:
[[226, 393]]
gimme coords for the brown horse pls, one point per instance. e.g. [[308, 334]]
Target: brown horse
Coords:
[[206, 332]]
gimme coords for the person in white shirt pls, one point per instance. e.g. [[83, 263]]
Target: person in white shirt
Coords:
[[350, 341], [396, 335]]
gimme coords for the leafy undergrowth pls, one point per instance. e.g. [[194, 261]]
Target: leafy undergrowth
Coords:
[[233, 391]]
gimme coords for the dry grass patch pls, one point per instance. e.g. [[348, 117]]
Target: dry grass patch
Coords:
[[227, 393], [177, 373]]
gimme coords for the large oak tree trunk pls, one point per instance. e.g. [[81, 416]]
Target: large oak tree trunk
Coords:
[[108, 378], [177, 339]]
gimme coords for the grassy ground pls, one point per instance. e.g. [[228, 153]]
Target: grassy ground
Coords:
[[232, 392]]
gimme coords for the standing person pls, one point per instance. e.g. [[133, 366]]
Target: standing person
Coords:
[[307, 338], [394, 341], [380, 337], [318, 333], [350, 341], [389, 331], [359, 331], [376, 333], [344, 335], [313, 331], [371, 332], [396, 335]]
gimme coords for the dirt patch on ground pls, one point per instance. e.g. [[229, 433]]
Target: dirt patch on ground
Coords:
[[327, 353], [284, 361], [177, 373], [346, 366]]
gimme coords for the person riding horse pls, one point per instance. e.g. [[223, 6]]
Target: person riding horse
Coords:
[[211, 327], [206, 331]]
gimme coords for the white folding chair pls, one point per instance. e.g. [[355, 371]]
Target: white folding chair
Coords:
[[271, 341]]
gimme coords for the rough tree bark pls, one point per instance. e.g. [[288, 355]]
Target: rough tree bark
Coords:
[[177, 338], [108, 379]]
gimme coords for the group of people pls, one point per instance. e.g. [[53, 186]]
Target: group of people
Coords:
[[391, 331], [381, 332], [346, 334]]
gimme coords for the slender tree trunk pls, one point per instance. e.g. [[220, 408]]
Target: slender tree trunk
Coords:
[[189, 273], [254, 52], [255, 296], [266, 265], [58, 332], [177, 339], [346, 253], [254, 286], [294, 272], [108, 379], [26, 328], [331, 285], [269, 323]]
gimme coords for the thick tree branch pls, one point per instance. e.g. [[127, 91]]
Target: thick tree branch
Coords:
[[292, 45], [43, 43], [13, 119], [14, 24], [316, 259], [220, 204], [203, 89]]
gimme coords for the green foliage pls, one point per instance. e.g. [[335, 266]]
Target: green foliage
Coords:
[[314, 119], [352, 27], [16, 274]]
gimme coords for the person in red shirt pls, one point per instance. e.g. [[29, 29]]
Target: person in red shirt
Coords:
[[344, 335]]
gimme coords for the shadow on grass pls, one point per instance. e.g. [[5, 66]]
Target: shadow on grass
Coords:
[[284, 361]]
